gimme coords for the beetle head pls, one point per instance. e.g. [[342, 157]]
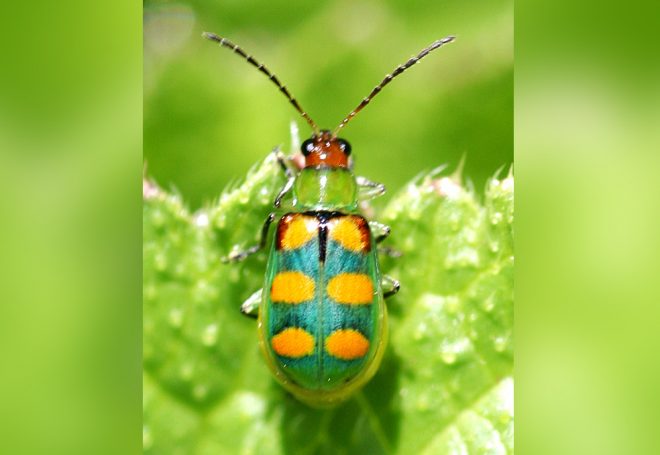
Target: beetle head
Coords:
[[325, 150]]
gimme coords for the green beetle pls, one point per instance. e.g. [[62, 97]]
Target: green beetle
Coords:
[[321, 315]]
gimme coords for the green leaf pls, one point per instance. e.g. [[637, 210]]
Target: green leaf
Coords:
[[445, 385]]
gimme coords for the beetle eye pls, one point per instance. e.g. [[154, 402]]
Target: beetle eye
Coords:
[[307, 147], [345, 147]]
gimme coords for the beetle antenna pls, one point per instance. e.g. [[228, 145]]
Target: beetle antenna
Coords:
[[398, 70], [260, 66]]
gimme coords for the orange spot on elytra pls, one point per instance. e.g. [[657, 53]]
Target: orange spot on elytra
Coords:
[[293, 342], [347, 344], [291, 287], [350, 234], [351, 288], [298, 232]]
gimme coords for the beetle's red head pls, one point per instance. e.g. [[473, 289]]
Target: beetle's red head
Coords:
[[323, 149]]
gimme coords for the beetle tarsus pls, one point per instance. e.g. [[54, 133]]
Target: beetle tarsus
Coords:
[[393, 286], [284, 191], [368, 189], [250, 307]]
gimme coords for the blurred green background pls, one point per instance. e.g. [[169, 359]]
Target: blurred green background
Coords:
[[208, 115], [587, 106]]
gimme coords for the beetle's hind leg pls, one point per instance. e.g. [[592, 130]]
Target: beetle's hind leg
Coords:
[[237, 256], [389, 285], [250, 307]]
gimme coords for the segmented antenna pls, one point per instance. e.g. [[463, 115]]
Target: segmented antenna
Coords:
[[398, 70], [260, 66]]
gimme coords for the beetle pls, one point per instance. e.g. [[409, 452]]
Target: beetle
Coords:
[[322, 320]]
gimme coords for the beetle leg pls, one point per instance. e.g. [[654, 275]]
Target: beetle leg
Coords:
[[237, 256], [290, 176], [389, 285], [389, 251], [250, 307], [380, 231], [283, 192], [367, 189], [286, 164]]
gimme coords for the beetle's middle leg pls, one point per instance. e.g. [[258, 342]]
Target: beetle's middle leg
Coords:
[[381, 232]]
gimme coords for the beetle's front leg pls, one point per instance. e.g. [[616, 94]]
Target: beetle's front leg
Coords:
[[389, 285], [290, 176], [284, 191], [237, 256], [250, 307], [367, 189]]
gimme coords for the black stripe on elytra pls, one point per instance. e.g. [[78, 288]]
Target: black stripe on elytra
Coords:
[[323, 216], [323, 239]]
